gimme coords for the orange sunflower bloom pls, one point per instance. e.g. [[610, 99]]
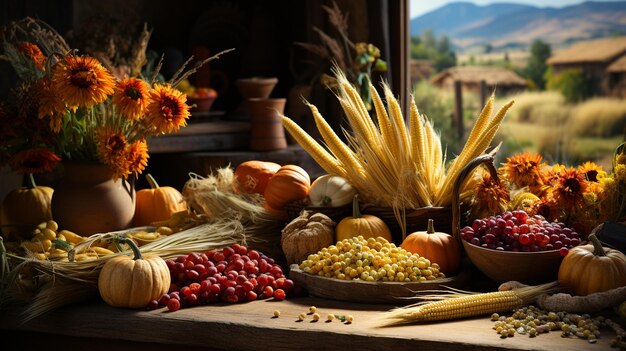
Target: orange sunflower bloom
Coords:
[[137, 157], [33, 53], [36, 160], [111, 146], [524, 170], [591, 171], [82, 81], [50, 105], [167, 109], [490, 197], [568, 190], [130, 98]]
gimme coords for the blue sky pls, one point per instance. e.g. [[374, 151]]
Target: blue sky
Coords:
[[419, 7]]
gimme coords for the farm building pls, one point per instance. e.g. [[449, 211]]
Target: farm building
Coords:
[[497, 78], [602, 61]]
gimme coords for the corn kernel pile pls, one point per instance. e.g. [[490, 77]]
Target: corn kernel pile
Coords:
[[370, 260]]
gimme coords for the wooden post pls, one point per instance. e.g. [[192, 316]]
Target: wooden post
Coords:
[[458, 109], [483, 93]]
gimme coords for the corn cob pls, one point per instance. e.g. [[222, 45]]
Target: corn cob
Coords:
[[466, 305]]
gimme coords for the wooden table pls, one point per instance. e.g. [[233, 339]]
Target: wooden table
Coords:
[[249, 326]]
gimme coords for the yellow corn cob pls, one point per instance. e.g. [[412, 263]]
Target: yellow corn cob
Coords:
[[468, 305], [313, 148]]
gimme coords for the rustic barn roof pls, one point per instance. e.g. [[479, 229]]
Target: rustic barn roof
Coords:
[[474, 74], [601, 50], [618, 66]]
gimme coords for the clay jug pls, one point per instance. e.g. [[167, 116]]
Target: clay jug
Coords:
[[88, 200], [266, 131]]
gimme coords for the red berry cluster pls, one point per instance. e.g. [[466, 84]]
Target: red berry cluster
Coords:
[[232, 274], [516, 231]]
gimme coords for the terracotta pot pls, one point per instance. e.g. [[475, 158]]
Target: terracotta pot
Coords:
[[256, 87], [87, 200], [266, 130]]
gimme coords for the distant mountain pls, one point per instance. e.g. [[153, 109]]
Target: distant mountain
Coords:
[[507, 24]]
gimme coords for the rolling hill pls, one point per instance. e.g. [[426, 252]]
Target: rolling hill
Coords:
[[508, 24]]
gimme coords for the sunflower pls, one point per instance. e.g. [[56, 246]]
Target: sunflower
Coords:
[[524, 170], [50, 105], [591, 171], [167, 110], [82, 81], [111, 146], [33, 53], [490, 197], [35, 160], [568, 190], [137, 157], [130, 98]]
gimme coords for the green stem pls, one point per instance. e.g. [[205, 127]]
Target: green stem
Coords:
[[153, 183], [133, 246], [30, 181], [598, 250]]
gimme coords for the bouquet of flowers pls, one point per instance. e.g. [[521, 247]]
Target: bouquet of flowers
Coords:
[[69, 106]]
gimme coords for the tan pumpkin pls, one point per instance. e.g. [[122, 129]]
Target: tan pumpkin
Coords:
[[366, 225], [290, 183], [24, 208], [252, 176], [592, 268], [132, 282], [158, 203], [331, 191], [438, 247], [305, 235]]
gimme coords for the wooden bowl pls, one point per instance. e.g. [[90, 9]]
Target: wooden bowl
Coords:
[[525, 267], [372, 292]]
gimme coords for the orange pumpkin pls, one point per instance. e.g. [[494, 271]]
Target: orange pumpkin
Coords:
[[440, 248], [365, 225], [24, 208], [252, 176], [592, 268], [290, 183], [158, 203]]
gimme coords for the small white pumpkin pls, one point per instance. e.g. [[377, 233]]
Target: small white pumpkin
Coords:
[[331, 191]]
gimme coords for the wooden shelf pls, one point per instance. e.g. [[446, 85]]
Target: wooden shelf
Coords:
[[203, 136]]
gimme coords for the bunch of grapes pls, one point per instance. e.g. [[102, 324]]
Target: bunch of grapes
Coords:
[[232, 274], [516, 231]]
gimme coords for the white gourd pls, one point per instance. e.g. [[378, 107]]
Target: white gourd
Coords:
[[331, 191]]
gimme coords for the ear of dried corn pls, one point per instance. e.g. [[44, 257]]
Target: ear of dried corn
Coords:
[[389, 162], [463, 304]]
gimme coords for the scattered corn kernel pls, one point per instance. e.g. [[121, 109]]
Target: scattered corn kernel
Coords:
[[330, 317], [276, 313], [316, 316], [312, 309], [349, 319], [302, 316]]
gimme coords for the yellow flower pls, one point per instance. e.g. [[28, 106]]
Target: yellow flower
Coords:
[[130, 98], [37, 160], [591, 171], [81, 81], [490, 197], [167, 110], [50, 105], [620, 172], [111, 146], [137, 157], [523, 170]]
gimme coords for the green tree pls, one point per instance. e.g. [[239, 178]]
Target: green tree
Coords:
[[571, 82], [537, 66], [438, 50]]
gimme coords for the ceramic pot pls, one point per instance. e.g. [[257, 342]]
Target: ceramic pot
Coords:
[[266, 130], [256, 87], [87, 200]]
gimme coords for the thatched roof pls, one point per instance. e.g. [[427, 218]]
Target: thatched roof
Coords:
[[601, 50], [618, 66], [493, 76]]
